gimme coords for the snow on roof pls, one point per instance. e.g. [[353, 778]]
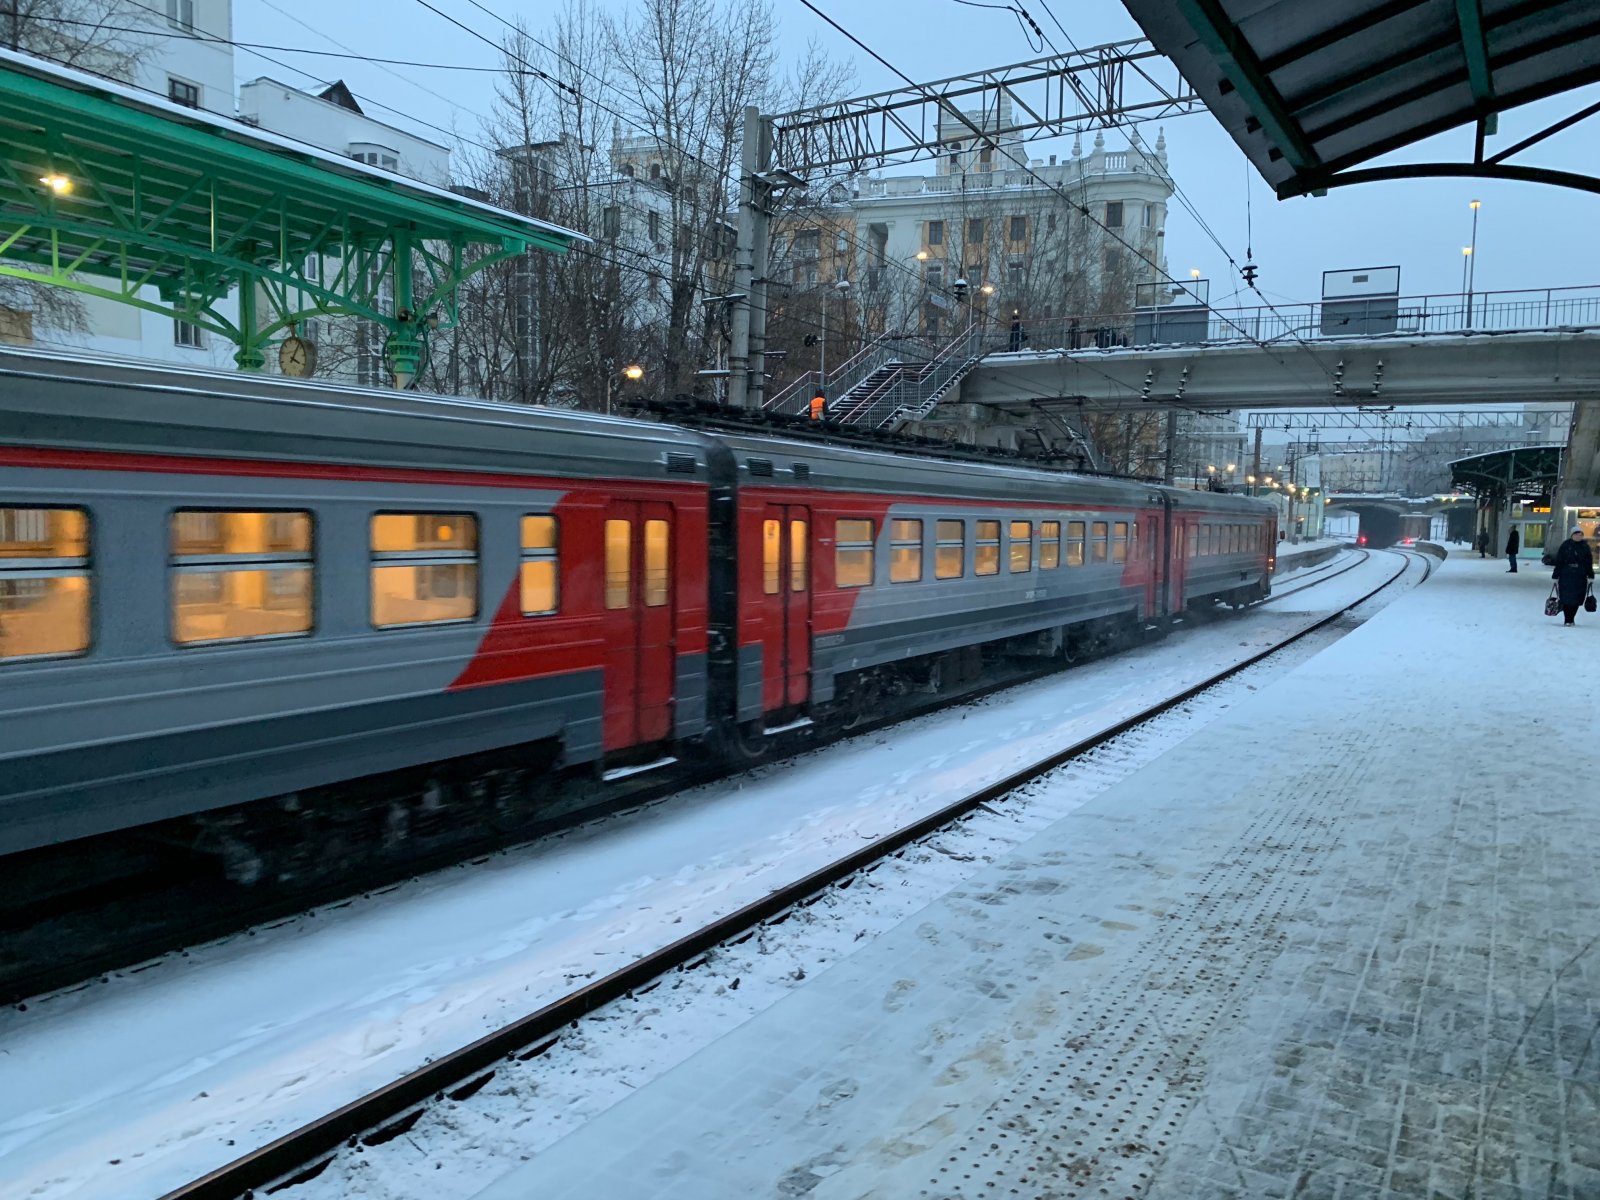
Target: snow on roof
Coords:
[[129, 96]]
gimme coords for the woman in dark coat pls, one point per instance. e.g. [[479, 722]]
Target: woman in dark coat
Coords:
[[1573, 574]]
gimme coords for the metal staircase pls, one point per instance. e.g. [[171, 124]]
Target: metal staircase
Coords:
[[892, 381]]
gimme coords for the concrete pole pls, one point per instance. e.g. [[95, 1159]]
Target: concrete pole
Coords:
[[749, 264], [1172, 446]]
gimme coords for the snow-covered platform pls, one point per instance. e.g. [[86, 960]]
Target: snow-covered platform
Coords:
[[1341, 943]]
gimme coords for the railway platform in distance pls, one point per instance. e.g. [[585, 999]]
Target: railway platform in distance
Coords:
[[1339, 943]]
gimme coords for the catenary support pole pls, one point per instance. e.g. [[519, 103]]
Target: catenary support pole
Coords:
[[749, 263]]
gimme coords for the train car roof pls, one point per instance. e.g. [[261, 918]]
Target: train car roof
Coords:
[[771, 460], [88, 403]]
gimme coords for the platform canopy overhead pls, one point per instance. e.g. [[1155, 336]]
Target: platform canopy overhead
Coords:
[[114, 192], [1312, 91], [1524, 473]]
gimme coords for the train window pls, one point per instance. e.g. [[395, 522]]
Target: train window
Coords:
[[240, 575], [798, 556], [771, 544], [988, 549], [1049, 545], [950, 553], [541, 566], [905, 551], [1075, 539], [1097, 544], [1020, 555], [619, 563], [1194, 540], [44, 582], [424, 568], [657, 563], [1119, 542], [1235, 539], [852, 553]]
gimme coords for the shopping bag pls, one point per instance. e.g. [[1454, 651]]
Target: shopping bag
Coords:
[[1588, 601], [1551, 605]]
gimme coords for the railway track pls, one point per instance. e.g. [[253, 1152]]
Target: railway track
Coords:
[[391, 1111]]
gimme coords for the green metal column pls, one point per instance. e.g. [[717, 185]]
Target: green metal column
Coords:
[[248, 355], [404, 346]]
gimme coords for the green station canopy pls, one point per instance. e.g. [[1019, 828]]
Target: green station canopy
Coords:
[[110, 190]]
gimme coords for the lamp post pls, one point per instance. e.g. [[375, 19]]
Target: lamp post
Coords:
[[842, 287], [633, 372], [1471, 265]]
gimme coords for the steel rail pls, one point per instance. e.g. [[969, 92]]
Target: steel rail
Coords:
[[392, 1109]]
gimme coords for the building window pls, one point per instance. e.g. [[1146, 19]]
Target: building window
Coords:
[[950, 550], [1149, 216], [852, 553], [312, 269], [1019, 229], [935, 273], [44, 582], [180, 15], [239, 576], [1049, 545], [611, 222], [975, 230], [655, 172], [808, 245], [1021, 555], [1114, 214], [905, 551], [1050, 222], [811, 277], [841, 242], [424, 568], [541, 566], [987, 560], [935, 233], [1113, 262], [187, 334], [1014, 275], [181, 91], [986, 158], [653, 222]]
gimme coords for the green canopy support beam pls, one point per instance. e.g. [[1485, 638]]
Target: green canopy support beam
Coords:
[[109, 192]]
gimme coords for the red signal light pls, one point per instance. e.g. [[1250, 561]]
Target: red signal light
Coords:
[[1362, 540]]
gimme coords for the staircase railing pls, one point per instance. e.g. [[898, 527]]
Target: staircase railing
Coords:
[[912, 387], [796, 395]]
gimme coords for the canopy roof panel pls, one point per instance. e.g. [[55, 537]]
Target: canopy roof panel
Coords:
[[1310, 91], [1525, 471]]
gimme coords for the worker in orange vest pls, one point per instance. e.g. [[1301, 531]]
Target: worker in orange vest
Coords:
[[819, 406]]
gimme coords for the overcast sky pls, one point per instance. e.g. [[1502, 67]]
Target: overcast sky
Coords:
[[1529, 236]]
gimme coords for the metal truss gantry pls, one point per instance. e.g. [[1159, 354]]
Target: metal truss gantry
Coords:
[[1116, 84], [1414, 419]]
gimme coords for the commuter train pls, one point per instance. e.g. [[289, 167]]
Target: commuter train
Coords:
[[217, 589]]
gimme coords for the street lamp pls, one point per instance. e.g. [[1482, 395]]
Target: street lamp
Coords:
[[633, 372], [842, 286], [1470, 265]]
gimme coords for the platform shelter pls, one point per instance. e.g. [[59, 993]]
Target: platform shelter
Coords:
[[110, 191]]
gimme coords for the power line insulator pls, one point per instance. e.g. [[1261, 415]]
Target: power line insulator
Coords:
[[1249, 271]]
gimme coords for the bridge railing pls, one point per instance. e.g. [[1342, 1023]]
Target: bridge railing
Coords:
[[1445, 313]]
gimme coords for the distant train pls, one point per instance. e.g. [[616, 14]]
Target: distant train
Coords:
[[216, 589]]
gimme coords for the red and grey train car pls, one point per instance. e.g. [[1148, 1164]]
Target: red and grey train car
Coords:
[[217, 589]]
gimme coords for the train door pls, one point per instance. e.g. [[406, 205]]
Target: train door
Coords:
[[1178, 560], [641, 666], [1150, 547], [785, 606]]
